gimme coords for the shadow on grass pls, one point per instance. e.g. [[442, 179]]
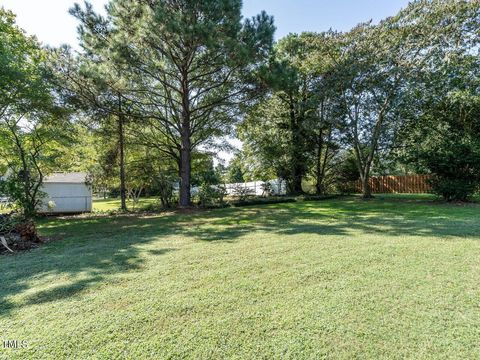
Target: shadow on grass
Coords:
[[94, 250]]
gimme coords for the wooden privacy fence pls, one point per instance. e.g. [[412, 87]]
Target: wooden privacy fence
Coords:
[[409, 184]]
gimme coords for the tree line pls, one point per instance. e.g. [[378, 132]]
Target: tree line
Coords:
[[158, 85]]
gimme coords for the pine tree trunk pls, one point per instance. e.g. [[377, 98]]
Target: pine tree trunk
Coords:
[[186, 147], [185, 171], [121, 144]]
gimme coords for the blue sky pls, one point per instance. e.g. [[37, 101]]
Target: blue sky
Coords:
[[50, 21], [321, 15]]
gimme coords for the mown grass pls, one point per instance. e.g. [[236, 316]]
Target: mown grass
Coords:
[[113, 204], [395, 277]]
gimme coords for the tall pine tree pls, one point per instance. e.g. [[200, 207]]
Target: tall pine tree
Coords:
[[192, 63]]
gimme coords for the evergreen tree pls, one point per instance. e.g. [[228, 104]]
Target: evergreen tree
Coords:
[[192, 63]]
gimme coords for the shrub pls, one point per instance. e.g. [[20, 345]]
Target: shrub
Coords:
[[456, 169], [345, 174], [211, 195], [164, 184], [263, 201], [267, 189], [445, 141], [242, 192], [24, 198]]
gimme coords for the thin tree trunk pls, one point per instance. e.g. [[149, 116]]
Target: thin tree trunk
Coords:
[[296, 165], [29, 202], [121, 144], [319, 170]]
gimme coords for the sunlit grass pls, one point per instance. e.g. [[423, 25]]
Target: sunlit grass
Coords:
[[105, 205], [394, 277]]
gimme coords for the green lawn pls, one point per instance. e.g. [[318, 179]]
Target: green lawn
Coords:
[[391, 278], [105, 205]]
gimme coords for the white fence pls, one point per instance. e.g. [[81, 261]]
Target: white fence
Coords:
[[258, 188]]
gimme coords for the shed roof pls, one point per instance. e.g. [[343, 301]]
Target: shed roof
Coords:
[[66, 178]]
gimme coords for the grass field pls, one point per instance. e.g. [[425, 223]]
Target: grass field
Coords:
[[103, 205], [106, 205], [390, 278]]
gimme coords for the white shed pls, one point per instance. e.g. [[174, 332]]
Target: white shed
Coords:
[[68, 192]]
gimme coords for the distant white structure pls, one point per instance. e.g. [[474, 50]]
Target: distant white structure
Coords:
[[257, 188], [66, 193], [254, 188]]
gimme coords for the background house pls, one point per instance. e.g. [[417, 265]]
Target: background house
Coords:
[[68, 192]]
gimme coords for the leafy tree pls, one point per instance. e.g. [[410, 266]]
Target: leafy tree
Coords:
[[346, 172], [235, 174], [191, 62], [445, 141], [297, 115], [441, 131], [93, 84], [204, 171], [381, 64], [31, 126]]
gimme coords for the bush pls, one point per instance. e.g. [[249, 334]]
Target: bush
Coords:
[[267, 189], [456, 169], [346, 174], [263, 201], [445, 142], [165, 189], [19, 199], [242, 192], [317, 197], [453, 189], [211, 195]]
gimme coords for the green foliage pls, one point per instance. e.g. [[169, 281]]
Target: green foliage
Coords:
[[346, 172], [235, 171], [204, 171], [294, 132], [211, 195], [255, 201], [446, 143], [442, 108], [20, 199], [242, 192], [382, 65], [164, 184], [189, 64], [33, 126]]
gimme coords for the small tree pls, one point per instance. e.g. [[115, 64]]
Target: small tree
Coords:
[[446, 143], [455, 164], [32, 129], [242, 192]]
